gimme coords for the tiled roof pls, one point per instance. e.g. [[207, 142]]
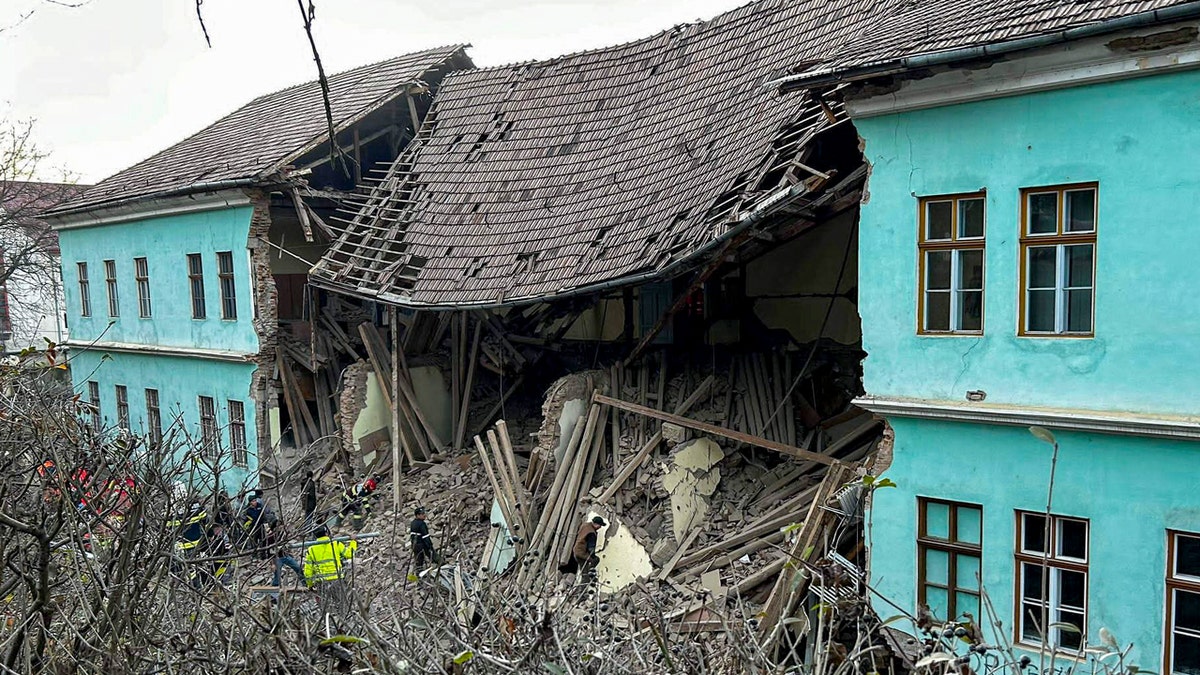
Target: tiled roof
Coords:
[[535, 180], [921, 27], [266, 133]]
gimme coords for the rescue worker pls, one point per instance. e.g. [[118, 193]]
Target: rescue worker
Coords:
[[218, 546], [283, 558], [190, 530], [421, 542], [326, 564], [356, 500], [308, 498], [583, 554]]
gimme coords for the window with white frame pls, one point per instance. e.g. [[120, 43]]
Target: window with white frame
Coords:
[[1183, 604], [110, 282], [1058, 260], [951, 242], [237, 433], [949, 551], [85, 290], [122, 407], [208, 426], [141, 272], [1052, 579]]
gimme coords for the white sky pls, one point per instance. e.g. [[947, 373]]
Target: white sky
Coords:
[[115, 81]]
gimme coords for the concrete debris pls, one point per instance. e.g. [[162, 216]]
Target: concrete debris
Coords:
[[623, 560], [691, 479]]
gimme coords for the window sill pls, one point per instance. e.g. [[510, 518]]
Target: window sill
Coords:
[[950, 334], [1057, 336], [1074, 656]]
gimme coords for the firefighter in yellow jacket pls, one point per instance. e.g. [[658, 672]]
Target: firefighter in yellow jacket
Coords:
[[325, 565]]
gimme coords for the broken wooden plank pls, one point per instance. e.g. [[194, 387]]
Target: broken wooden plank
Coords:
[[679, 552], [715, 430]]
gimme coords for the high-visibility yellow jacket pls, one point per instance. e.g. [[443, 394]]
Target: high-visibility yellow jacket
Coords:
[[326, 560], [191, 530]]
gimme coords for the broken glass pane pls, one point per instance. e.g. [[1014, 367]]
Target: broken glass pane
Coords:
[[1072, 588], [969, 525], [937, 520], [1043, 266], [1187, 555], [970, 218], [937, 310], [937, 270], [939, 217], [1072, 538], [1185, 655], [1079, 311], [1043, 213], [1081, 211], [937, 567], [1187, 610], [1033, 533], [1041, 311], [966, 571]]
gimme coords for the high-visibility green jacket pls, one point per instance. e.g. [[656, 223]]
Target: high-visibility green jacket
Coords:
[[326, 560]]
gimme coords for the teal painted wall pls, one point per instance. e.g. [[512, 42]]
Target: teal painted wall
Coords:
[[165, 243], [1131, 489], [180, 381], [1138, 139]]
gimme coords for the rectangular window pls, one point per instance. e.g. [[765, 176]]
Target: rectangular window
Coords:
[[153, 417], [122, 407], [94, 403], [237, 432], [142, 274], [196, 278], [1058, 260], [1054, 585], [951, 243], [110, 280], [85, 291], [208, 426], [228, 291], [1183, 603], [949, 542]]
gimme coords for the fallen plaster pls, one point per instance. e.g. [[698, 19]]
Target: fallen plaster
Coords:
[[622, 559], [691, 478], [572, 413], [433, 396], [374, 415], [503, 552]]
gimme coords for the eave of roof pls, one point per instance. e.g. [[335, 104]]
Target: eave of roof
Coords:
[[829, 75]]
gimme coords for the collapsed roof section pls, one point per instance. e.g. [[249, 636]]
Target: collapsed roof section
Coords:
[[271, 132], [923, 33], [546, 179]]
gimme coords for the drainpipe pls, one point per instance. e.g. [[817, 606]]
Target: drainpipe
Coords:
[[831, 75]]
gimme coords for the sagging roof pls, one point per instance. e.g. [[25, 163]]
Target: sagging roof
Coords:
[[266, 134], [946, 31], [537, 180]]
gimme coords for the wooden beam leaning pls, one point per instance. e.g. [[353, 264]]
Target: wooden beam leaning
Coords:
[[715, 430]]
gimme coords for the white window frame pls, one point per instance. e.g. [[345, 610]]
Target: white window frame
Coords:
[[1060, 240], [956, 245], [1056, 564]]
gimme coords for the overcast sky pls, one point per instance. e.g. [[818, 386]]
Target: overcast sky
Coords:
[[115, 81]]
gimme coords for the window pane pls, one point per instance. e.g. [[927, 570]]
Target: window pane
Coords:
[[1187, 555], [970, 218], [967, 602], [1041, 311], [1072, 588], [1187, 610], [938, 219], [1043, 267], [1072, 538], [937, 270], [1081, 211], [969, 526], [966, 570], [1031, 618], [1033, 532], [937, 599], [1079, 266], [937, 567], [1079, 311], [1185, 655], [970, 269], [937, 310], [1070, 639], [1043, 213], [1031, 581], [970, 310], [937, 520]]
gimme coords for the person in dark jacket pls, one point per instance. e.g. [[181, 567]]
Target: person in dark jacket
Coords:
[[421, 542], [308, 497], [583, 553]]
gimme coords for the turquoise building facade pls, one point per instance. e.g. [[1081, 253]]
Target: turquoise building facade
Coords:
[[182, 345], [1028, 259]]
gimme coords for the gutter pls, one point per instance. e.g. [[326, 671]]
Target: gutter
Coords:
[[121, 206], [832, 75]]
